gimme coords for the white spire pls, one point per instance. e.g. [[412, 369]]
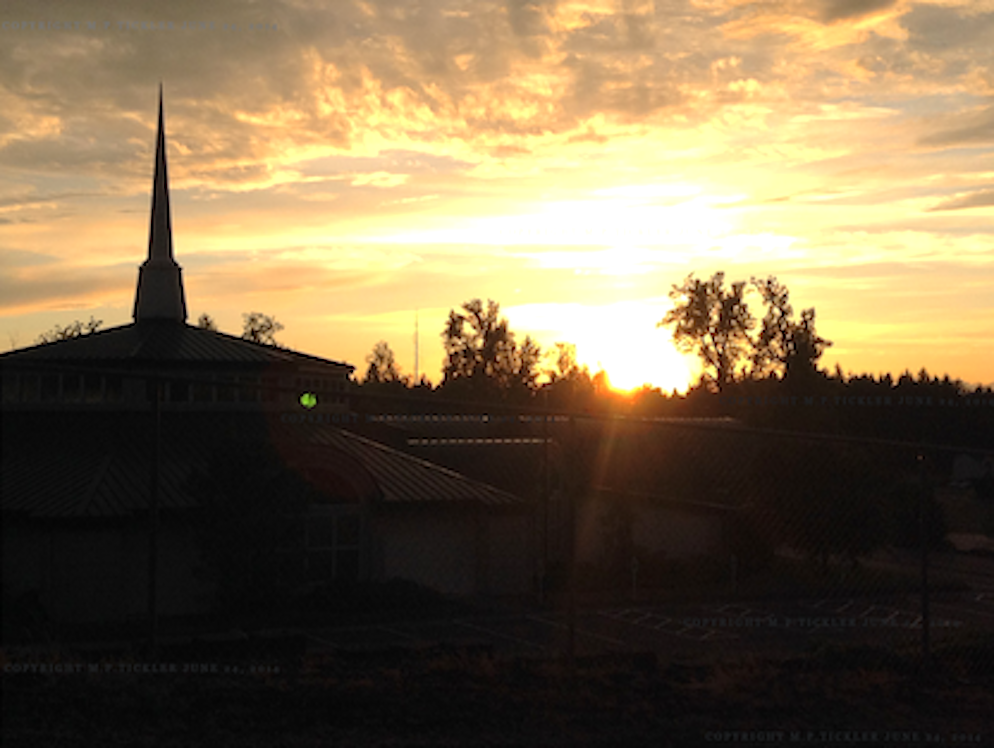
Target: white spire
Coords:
[[160, 280]]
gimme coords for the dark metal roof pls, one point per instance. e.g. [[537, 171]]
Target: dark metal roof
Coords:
[[159, 342], [401, 477], [73, 465], [653, 458]]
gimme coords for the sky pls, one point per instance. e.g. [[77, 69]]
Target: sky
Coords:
[[350, 166]]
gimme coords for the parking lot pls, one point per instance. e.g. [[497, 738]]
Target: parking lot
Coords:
[[673, 629]]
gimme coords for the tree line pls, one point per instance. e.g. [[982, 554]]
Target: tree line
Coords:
[[708, 318], [256, 326], [742, 356]]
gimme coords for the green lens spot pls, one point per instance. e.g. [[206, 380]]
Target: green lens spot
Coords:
[[308, 399]]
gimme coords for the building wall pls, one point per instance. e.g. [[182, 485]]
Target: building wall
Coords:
[[457, 553], [438, 551], [100, 573], [654, 529], [184, 390], [511, 554], [679, 534]]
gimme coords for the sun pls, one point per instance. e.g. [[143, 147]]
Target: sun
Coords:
[[629, 369], [620, 338], [623, 340]]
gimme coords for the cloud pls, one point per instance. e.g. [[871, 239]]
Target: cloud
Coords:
[[979, 129], [13, 259], [935, 28], [972, 200], [836, 10], [37, 286]]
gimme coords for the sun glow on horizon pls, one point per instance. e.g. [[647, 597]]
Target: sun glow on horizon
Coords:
[[623, 340], [630, 367], [620, 338]]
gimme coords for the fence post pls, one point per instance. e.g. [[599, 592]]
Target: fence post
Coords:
[[923, 542], [153, 518]]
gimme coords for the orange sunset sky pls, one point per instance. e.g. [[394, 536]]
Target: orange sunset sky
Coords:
[[356, 161]]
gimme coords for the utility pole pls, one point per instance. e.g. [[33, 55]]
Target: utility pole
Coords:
[[153, 515], [417, 368], [926, 657], [544, 557], [571, 500]]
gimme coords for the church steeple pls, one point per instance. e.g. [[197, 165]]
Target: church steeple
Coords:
[[160, 280]]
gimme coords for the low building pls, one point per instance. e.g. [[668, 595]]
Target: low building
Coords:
[[103, 433], [680, 486], [77, 526]]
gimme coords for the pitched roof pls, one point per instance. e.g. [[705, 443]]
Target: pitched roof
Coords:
[[160, 333], [693, 462], [74, 465], [159, 342]]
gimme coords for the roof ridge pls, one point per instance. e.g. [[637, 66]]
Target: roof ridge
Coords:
[[425, 463]]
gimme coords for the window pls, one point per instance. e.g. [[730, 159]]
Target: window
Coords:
[[92, 388], [10, 388], [348, 535], [203, 392], [49, 388], [179, 391], [29, 388], [321, 532], [292, 548], [112, 386], [226, 390], [248, 392], [333, 547], [150, 390], [71, 388], [325, 546], [269, 393]]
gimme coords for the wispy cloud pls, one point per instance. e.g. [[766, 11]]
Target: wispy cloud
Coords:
[[979, 199]]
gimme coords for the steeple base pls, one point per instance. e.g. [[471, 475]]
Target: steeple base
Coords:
[[160, 292]]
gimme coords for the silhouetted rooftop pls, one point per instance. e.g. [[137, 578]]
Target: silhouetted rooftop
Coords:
[[159, 342], [74, 465]]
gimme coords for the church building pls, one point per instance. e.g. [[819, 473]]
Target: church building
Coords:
[[102, 434], [198, 368]]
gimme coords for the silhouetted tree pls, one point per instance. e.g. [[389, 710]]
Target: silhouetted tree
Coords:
[[524, 372], [382, 365], [206, 322], [714, 322], [482, 356], [564, 365], [785, 345], [568, 383], [261, 328], [72, 330]]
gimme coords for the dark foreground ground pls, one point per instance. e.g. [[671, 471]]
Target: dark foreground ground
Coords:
[[462, 676], [833, 695]]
